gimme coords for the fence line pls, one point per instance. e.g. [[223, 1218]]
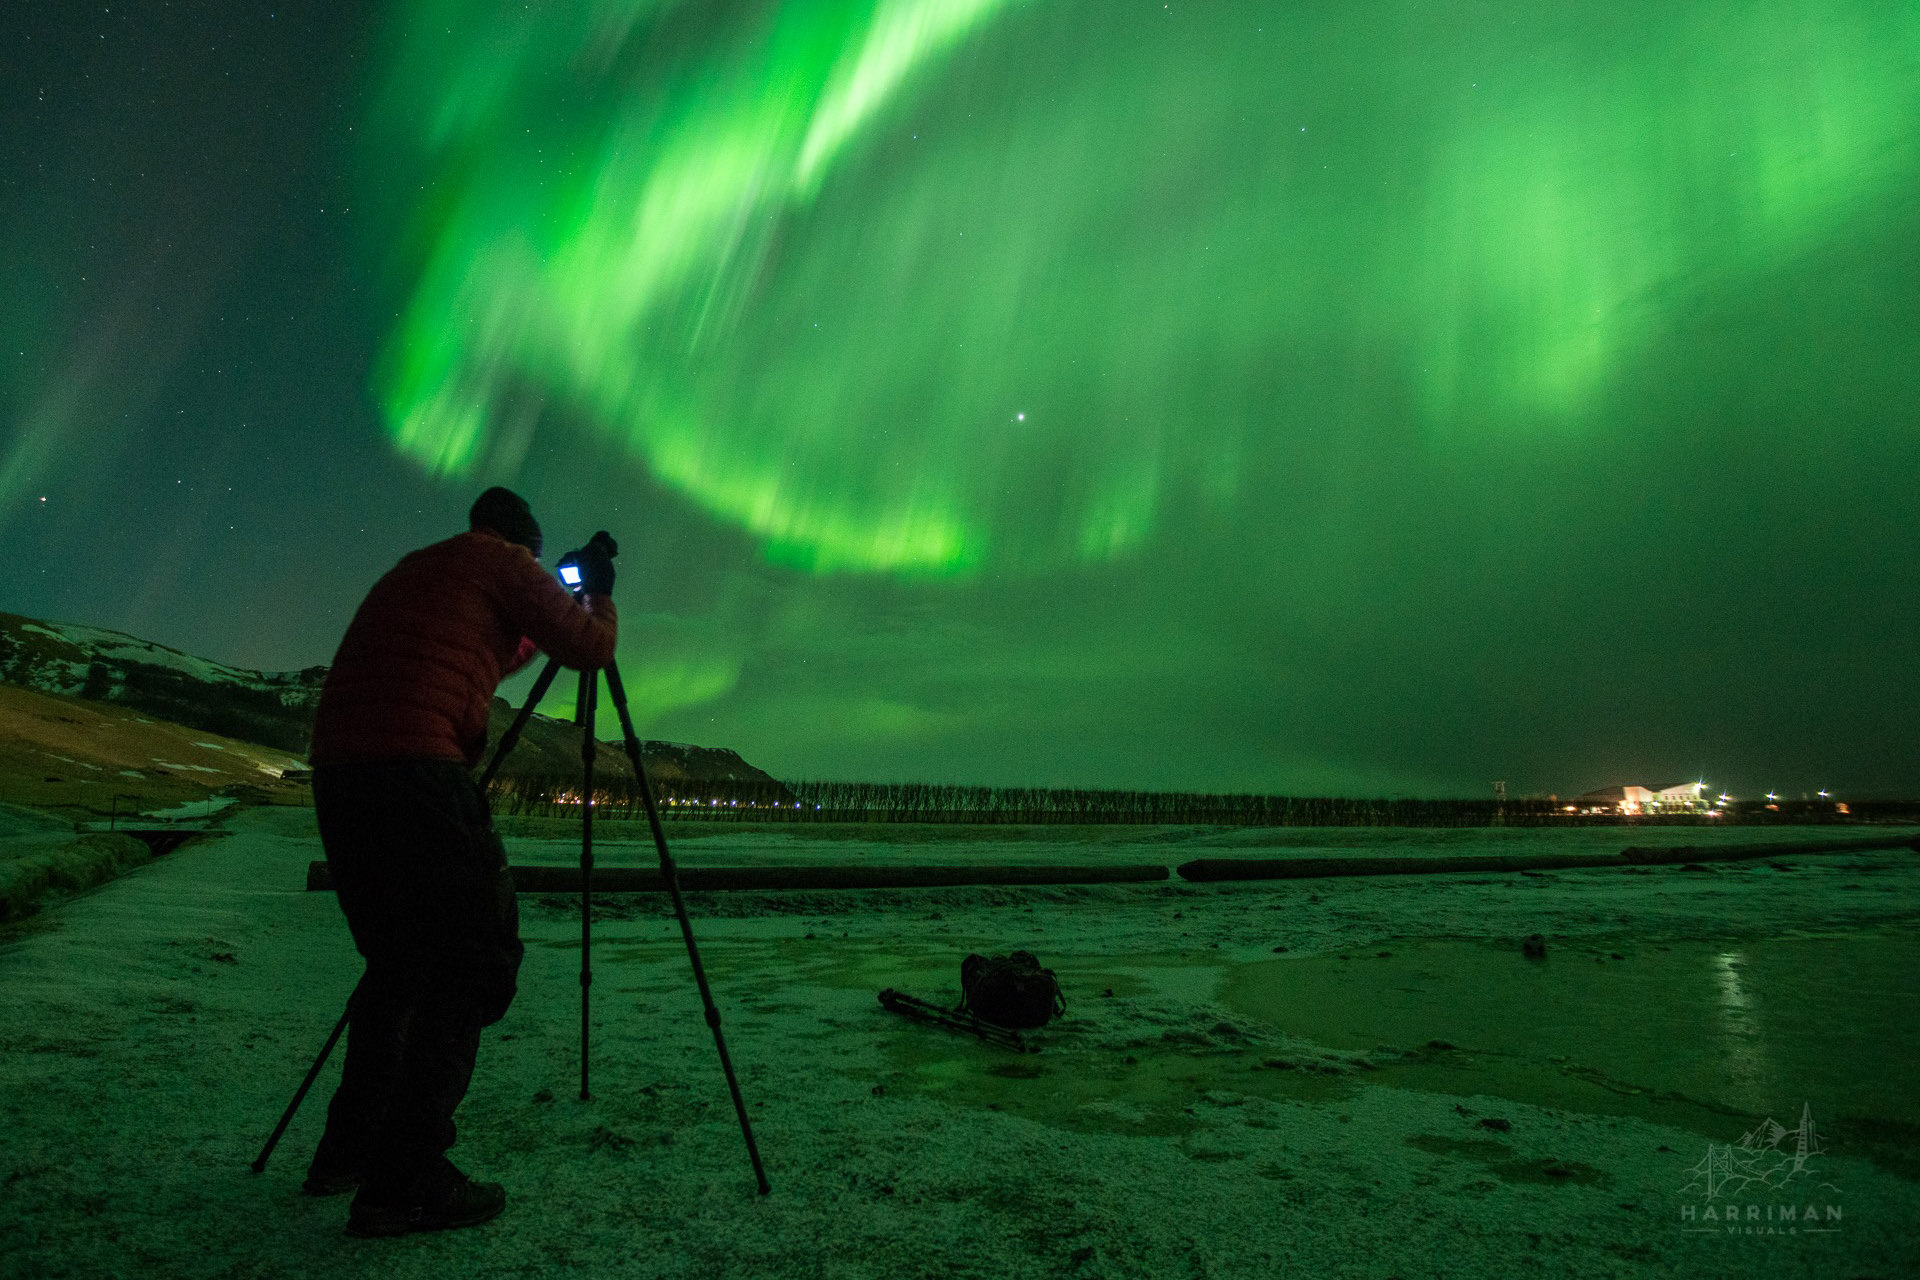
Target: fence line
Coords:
[[766, 800]]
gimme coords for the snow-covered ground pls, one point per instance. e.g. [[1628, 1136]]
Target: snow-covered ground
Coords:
[[1220, 1113]]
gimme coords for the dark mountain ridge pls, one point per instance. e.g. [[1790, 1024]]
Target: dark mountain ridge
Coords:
[[271, 708], [275, 708]]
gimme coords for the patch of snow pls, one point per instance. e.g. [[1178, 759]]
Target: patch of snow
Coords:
[[192, 809], [114, 644]]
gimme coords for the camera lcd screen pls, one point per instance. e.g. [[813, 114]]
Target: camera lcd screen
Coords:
[[570, 574]]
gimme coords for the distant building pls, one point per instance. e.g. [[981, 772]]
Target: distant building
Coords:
[[1678, 797], [1626, 799], [1681, 797]]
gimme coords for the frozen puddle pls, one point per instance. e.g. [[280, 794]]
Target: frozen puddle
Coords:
[[1684, 1033], [1707, 1037]]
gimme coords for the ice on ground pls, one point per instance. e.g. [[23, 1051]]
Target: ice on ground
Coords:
[[625, 842], [154, 1029], [192, 809]]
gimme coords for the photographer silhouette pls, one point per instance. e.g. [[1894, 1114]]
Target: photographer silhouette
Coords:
[[420, 874]]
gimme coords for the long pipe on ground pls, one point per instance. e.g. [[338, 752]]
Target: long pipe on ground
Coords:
[[649, 879], [1205, 870], [1217, 869]]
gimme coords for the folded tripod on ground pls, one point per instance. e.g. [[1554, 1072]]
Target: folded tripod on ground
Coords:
[[955, 1020], [588, 696]]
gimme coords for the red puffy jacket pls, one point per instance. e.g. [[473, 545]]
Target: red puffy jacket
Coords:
[[417, 669]]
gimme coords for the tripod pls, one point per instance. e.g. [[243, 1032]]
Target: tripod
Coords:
[[584, 708]]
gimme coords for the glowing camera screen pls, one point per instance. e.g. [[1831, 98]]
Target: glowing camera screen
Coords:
[[570, 574]]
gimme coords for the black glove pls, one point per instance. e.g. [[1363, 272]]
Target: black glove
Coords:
[[596, 564]]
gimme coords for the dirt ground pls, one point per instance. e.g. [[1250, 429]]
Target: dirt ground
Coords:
[[1225, 1111], [83, 760]]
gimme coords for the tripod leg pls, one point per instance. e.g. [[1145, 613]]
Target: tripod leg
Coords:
[[300, 1094], [672, 878], [512, 735], [589, 689]]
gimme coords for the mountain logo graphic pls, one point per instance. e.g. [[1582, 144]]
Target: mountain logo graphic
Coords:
[[1771, 1158]]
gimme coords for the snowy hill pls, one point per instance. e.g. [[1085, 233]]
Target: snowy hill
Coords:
[[272, 708]]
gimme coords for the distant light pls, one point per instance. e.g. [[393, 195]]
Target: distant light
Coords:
[[1018, 417]]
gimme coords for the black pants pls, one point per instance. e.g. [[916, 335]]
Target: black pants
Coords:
[[423, 881]]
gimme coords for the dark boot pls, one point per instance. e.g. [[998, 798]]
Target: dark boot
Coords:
[[445, 1199]]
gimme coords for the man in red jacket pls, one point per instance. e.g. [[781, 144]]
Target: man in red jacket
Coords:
[[419, 872]]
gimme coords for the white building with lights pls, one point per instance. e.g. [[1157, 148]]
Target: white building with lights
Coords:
[[1678, 797]]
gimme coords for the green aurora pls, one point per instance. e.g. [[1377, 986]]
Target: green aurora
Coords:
[[920, 286], [1248, 395], [1283, 397]]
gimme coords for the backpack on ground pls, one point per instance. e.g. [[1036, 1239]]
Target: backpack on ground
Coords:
[[1011, 990]]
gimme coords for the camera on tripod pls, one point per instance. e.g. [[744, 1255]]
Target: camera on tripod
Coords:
[[580, 569]]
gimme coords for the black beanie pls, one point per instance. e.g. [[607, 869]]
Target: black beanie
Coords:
[[507, 514]]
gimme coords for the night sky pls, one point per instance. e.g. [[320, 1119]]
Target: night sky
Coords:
[[1372, 399]]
